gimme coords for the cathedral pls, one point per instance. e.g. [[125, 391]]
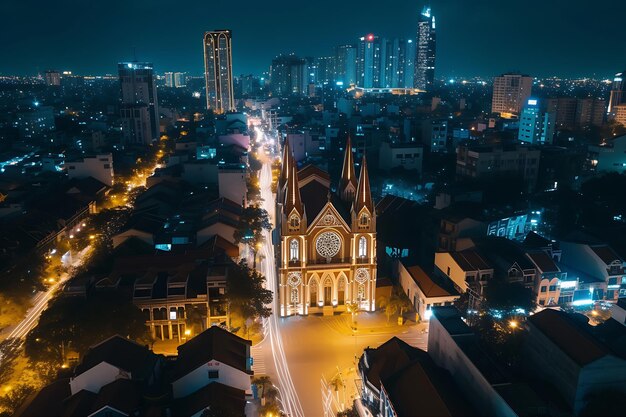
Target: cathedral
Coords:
[[327, 240]]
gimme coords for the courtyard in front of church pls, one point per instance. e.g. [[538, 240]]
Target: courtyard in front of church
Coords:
[[322, 348]]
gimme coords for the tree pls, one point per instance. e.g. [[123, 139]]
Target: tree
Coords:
[[78, 323], [252, 222], [13, 399], [505, 297], [246, 295], [396, 302], [349, 412]]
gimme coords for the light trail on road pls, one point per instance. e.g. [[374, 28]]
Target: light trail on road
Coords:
[[291, 403], [14, 341]]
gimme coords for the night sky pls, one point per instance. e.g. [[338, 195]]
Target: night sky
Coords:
[[475, 37]]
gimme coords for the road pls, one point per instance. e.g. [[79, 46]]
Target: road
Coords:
[[272, 345], [12, 343]]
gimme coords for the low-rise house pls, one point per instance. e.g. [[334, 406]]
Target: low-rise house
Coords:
[[600, 262], [215, 355], [562, 349], [466, 269], [425, 291]]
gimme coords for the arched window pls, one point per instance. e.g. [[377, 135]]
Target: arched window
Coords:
[[294, 222], [294, 250], [295, 297], [364, 220], [362, 247]]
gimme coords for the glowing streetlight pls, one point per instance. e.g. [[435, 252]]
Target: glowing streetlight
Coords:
[[513, 324]]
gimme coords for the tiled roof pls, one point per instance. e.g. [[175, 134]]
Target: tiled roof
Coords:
[[543, 261], [214, 395], [470, 260], [605, 253], [429, 287], [569, 335], [388, 358], [214, 343]]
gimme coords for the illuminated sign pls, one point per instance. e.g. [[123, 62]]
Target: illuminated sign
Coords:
[[532, 102]]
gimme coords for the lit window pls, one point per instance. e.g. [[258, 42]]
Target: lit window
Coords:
[[362, 247], [294, 250], [294, 296]]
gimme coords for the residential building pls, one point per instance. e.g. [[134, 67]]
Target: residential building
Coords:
[[510, 93], [407, 155], [600, 262], [180, 79], [467, 269], [480, 162], [139, 108], [34, 122], [536, 126], [550, 280], [617, 92], [425, 50], [328, 240], [169, 79], [619, 113], [345, 64], [608, 157], [435, 135], [425, 291], [53, 78], [390, 374], [288, 76], [99, 167], [453, 346], [369, 61], [215, 355], [218, 71], [572, 113], [565, 352]]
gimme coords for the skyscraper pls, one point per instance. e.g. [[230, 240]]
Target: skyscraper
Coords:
[[218, 71], [425, 50], [53, 78], [510, 93], [180, 79], [139, 109], [397, 57], [409, 64], [169, 79], [345, 64], [617, 92], [369, 61], [287, 75]]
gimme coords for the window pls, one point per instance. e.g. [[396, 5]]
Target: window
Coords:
[[360, 293], [294, 222], [294, 296], [448, 273], [294, 250], [552, 288], [543, 288], [612, 281], [364, 220], [362, 247], [214, 374]]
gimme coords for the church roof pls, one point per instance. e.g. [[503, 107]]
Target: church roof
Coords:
[[292, 197], [348, 175], [363, 197]]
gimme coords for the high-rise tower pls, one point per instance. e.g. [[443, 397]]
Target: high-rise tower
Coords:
[[425, 50], [218, 71], [139, 109]]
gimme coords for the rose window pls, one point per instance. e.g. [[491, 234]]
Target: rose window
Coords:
[[294, 279], [362, 275], [328, 244]]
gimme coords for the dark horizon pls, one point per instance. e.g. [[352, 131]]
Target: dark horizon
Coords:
[[483, 39]]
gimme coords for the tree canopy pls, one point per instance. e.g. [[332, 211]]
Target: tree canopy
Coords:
[[247, 297], [77, 323]]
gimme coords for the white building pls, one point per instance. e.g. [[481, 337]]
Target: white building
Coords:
[[424, 291], [536, 126], [610, 157], [510, 92], [215, 355], [99, 167], [466, 269]]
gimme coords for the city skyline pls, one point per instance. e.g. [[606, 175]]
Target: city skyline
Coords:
[[470, 41]]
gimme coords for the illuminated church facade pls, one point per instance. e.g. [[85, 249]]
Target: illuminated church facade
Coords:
[[327, 240]]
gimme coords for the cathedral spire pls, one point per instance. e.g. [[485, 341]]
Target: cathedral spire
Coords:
[[292, 196], [363, 197], [286, 164], [348, 182]]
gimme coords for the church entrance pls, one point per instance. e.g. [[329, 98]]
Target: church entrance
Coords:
[[341, 291], [328, 292]]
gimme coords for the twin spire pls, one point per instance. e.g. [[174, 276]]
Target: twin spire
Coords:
[[351, 189]]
